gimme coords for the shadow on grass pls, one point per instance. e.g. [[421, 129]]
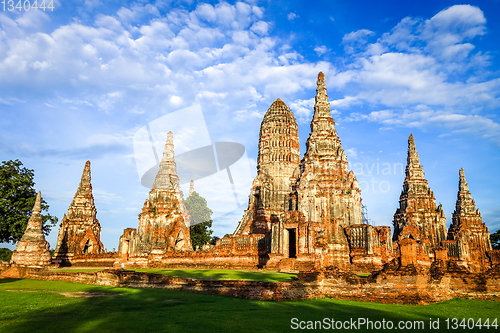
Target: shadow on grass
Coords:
[[156, 310], [8, 280], [223, 274]]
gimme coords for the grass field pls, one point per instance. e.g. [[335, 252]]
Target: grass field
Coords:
[[48, 306], [220, 274], [211, 274]]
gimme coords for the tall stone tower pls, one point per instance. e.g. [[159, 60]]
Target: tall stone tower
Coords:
[[33, 250], [80, 231], [418, 217], [468, 229], [278, 159], [164, 221], [326, 190]]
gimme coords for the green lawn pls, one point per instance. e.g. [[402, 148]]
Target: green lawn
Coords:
[[211, 274], [46, 306], [221, 274]]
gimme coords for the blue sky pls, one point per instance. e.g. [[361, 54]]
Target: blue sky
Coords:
[[78, 83]]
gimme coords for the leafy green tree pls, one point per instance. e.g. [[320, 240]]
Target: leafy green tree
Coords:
[[495, 240], [201, 219], [5, 254], [214, 240], [17, 198]]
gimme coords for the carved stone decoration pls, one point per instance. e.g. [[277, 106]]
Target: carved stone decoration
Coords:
[[418, 217], [80, 231], [164, 221], [324, 198], [370, 246], [278, 158], [33, 250], [468, 230], [326, 190]]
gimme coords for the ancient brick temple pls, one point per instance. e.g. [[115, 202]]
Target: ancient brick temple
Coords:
[[305, 214], [469, 238], [419, 225], [33, 250], [301, 207], [164, 221], [277, 162], [80, 231]]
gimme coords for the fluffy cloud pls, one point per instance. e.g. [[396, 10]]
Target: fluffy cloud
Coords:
[[423, 62]]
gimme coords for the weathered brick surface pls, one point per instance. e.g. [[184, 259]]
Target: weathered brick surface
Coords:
[[80, 231], [305, 215], [402, 288], [467, 229], [418, 218], [164, 221], [277, 162], [33, 250]]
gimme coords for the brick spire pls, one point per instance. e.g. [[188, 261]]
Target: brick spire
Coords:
[[33, 250], [80, 231], [468, 229], [167, 175], [34, 227], [417, 205]]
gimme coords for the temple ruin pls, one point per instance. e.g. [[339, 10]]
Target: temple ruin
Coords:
[[80, 231], [164, 221], [468, 236], [306, 214], [303, 215], [33, 250]]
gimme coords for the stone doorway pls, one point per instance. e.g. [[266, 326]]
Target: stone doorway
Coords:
[[292, 243], [87, 248]]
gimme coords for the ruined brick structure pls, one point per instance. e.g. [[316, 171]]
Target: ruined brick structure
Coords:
[[468, 235], [325, 196], [278, 160], [303, 215], [164, 221], [370, 246], [33, 250], [80, 231], [419, 225], [304, 205]]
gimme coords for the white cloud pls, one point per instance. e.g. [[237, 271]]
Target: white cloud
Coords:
[[291, 16], [356, 40], [260, 28], [419, 62], [320, 50], [351, 154], [303, 110]]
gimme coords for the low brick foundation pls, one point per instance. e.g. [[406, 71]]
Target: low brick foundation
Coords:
[[406, 287]]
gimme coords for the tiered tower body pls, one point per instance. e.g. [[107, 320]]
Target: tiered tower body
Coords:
[[33, 250], [418, 218], [468, 230], [278, 159], [80, 231], [164, 221], [326, 190]]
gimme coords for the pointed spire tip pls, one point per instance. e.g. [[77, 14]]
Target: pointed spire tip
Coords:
[[37, 208]]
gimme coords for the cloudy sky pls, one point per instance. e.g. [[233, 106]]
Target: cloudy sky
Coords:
[[79, 82]]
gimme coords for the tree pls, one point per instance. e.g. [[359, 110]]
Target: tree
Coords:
[[201, 219], [495, 240], [5, 254], [17, 198], [214, 240]]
